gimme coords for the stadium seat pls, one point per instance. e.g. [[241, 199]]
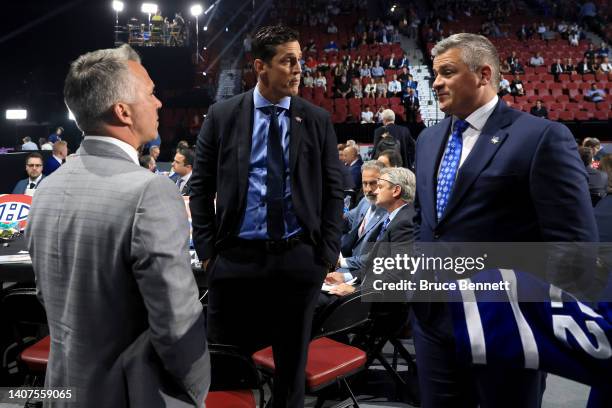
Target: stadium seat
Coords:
[[557, 106], [395, 101], [562, 98], [566, 115], [602, 106], [600, 115], [553, 115], [588, 77], [382, 101], [581, 115]]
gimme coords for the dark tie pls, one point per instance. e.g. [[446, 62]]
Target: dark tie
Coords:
[[383, 229], [275, 176], [32, 186], [449, 166]]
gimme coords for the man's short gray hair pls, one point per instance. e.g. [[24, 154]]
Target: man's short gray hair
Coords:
[[388, 115], [96, 81], [476, 50], [404, 178], [372, 165]]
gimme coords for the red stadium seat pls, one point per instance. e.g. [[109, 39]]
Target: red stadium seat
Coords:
[[602, 106], [562, 98], [553, 115], [582, 115], [234, 399], [601, 115], [557, 106], [588, 77], [395, 101], [566, 115], [382, 101], [588, 106]]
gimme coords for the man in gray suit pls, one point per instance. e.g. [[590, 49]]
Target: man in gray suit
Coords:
[[109, 246]]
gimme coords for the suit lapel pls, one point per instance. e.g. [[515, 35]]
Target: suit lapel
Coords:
[[490, 140], [243, 137], [434, 155], [298, 131]]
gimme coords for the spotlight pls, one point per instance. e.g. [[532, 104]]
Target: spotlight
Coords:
[[148, 8], [71, 116], [16, 114], [205, 28], [118, 6], [196, 10]]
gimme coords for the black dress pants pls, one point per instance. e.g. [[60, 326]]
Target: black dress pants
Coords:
[[258, 299]]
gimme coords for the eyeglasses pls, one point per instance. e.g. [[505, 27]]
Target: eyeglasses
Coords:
[[34, 165], [390, 182]]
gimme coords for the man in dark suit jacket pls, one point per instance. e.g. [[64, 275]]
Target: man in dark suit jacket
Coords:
[[34, 168], [182, 165], [598, 180], [60, 152], [353, 163], [270, 158], [400, 133], [488, 173]]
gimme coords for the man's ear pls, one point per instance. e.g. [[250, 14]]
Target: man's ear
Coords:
[[260, 69], [486, 74], [121, 113]]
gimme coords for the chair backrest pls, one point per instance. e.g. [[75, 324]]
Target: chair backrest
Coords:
[[231, 369], [345, 314], [24, 311]]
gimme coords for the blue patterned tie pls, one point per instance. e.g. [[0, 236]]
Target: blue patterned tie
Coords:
[[450, 164], [275, 175], [383, 229]]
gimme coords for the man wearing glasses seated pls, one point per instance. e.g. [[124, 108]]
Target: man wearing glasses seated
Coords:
[[34, 168]]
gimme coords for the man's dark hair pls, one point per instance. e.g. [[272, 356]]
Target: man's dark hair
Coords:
[[144, 161], [34, 155], [188, 155], [267, 38], [586, 154], [394, 158]]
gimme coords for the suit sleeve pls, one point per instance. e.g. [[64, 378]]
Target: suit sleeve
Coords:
[[560, 190], [331, 219], [203, 189], [19, 188], [408, 148], [417, 205], [162, 268], [377, 134]]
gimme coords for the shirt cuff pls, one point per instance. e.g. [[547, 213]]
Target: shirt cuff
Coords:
[[347, 276]]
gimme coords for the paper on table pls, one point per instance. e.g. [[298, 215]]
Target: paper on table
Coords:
[[20, 258], [326, 287]]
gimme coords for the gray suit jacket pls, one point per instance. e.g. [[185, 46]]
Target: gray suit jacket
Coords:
[[109, 247]]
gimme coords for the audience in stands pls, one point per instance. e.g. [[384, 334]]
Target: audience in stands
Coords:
[[28, 144], [343, 89], [595, 94], [60, 152], [356, 88], [394, 88], [308, 80], [605, 65], [516, 87], [539, 110], [537, 60], [370, 89], [598, 180], [595, 145], [411, 106], [381, 88], [367, 116], [320, 81], [34, 168], [391, 136], [504, 87], [557, 68], [570, 67], [584, 67]]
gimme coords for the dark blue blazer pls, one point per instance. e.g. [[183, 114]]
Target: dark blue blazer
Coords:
[[355, 170], [50, 166], [522, 182], [603, 215], [21, 185]]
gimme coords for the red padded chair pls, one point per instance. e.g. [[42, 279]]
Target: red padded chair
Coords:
[[600, 115], [36, 356], [566, 115], [230, 399], [581, 115], [395, 101], [553, 115]]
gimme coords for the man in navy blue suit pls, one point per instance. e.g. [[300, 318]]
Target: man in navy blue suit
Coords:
[[60, 152], [488, 173], [353, 162]]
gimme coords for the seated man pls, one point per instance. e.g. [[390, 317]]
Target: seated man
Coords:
[[34, 168], [539, 110], [390, 158], [395, 193], [595, 94], [60, 152], [358, 224]]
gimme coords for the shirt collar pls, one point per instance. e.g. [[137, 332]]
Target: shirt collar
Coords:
[[36, 180], [479, 117], [127, 148], [394, 212], [261, 102]]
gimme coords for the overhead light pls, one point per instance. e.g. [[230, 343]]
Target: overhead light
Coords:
[[16, 114], [70, 115], [226, 29], [118, 6], [149, 8], [204, 48], [204, 73], [196, 10], [205, 28]]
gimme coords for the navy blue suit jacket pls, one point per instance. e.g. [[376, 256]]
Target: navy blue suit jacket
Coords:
[[522, 182], [355, 170], [50, 166]]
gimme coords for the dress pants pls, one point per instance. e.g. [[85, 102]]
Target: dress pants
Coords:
[[445, 381], [258, 299]]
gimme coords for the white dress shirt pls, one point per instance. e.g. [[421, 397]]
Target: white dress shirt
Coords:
[[129, 149], [476, 120]]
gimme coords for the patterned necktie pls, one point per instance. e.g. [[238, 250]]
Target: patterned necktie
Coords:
[[450, 165], [275, 176], [383, 229]]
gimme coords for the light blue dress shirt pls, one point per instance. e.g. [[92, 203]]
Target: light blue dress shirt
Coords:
[[254, 224]]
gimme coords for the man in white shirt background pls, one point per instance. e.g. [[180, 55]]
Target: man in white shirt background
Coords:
[[28, 144]]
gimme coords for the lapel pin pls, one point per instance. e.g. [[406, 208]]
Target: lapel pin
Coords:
[[298, 119], [495, 140]]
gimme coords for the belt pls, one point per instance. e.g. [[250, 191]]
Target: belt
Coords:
[[267, 245]]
